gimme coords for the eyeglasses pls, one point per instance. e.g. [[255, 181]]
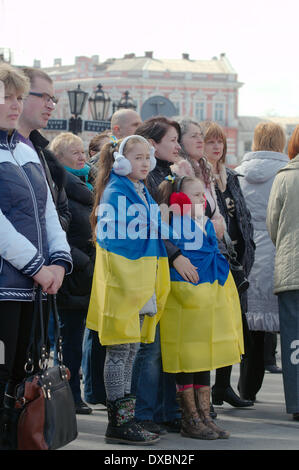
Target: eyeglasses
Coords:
[[45, 96]]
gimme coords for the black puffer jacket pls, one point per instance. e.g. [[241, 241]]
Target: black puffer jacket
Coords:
[[75, 290], [56, 177], [243, 217]]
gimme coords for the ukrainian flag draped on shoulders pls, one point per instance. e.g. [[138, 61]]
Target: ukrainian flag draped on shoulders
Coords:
[[201, 327], [131, 264]]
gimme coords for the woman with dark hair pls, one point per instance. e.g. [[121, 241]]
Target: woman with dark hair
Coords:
[[155, 390], [283, 226], [164, 134]]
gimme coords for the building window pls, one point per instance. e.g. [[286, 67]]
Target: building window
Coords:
[[219, 112], [200, 111]]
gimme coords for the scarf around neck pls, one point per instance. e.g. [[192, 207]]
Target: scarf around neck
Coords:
[[83, 172]]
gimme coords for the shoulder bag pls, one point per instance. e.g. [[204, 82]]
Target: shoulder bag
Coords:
[[47, 417]]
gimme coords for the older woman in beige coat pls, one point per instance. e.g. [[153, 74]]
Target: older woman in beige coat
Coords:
[[283, 226]]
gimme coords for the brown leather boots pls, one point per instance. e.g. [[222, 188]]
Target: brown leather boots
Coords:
[[196, 420]]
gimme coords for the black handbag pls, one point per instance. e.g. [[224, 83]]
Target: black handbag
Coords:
[[47, 416], [236, 268]]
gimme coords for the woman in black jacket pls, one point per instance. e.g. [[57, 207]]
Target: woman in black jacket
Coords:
[[155, 390], [233, 208], [73, 297]]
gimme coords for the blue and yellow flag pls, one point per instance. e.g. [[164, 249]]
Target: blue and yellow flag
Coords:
[[201, 327], [131, 264]]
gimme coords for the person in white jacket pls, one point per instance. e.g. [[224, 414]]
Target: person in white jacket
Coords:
[[258, 169]]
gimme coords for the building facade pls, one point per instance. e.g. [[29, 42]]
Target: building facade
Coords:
[[201, 89]]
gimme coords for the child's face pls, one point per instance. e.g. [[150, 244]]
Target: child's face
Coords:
[[195, 192], [139, 156]]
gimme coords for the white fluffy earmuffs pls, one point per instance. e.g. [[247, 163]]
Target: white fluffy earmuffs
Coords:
[[122, 166]]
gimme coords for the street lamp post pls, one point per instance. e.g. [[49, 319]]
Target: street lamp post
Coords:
[[77, 100], [99, 104], [126, 102]]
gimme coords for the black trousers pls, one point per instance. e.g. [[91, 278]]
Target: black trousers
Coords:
[[252, 368], [15, 328], [270, 349]]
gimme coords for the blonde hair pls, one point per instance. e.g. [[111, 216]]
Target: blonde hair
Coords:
[[268, 136], [62, 141], [13, 78]]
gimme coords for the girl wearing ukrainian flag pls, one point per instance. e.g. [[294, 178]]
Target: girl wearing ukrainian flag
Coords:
[[131, 279], [201, 327]]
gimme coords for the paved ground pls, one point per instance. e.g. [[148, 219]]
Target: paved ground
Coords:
[[265, 426]]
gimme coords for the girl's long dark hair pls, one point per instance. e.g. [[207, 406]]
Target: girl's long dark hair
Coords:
[[104, 170], [156, 127]]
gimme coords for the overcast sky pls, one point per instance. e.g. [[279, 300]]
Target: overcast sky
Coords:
[[259, 37]]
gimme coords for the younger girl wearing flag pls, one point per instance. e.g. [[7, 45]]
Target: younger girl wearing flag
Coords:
[[201, 327], [131, 278]]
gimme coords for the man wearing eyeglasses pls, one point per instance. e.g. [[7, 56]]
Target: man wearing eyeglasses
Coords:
[[37, 109]]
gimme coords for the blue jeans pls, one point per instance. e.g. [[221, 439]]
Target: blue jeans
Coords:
[[93, 367], [288, 303], [155, 390], [72, 326]]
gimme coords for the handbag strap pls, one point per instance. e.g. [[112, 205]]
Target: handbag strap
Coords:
[[57, 335], [31, 348], [38, 342]]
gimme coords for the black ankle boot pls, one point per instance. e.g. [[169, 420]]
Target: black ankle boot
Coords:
[[122, 426], [229, 396]]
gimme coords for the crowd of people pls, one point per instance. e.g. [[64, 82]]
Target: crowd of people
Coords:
[[166, 263]]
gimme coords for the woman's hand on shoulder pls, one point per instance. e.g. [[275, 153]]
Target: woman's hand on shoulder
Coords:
[[186, 269]]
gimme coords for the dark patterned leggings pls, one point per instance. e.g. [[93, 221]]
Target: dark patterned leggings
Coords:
[[118, 368]]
